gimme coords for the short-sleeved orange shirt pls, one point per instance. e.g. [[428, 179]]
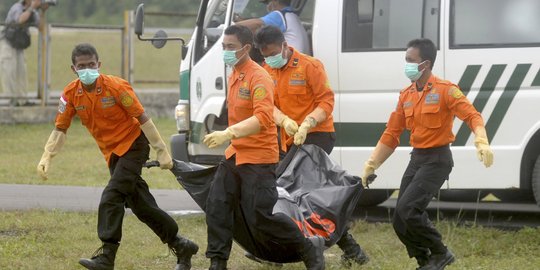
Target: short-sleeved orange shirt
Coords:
[[251, 94], [302, 86], [109, 113], [429, 114]]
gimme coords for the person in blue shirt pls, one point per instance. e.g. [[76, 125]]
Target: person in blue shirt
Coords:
[[281, 15]]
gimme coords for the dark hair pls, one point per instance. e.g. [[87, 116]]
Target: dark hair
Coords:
[[427, 49], [268, 35], [83, 49], [242, 33]]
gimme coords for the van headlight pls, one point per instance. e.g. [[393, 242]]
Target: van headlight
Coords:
[[181, 114]]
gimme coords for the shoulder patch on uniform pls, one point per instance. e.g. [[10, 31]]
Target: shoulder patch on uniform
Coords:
[[126, 99], [455, 92], [62, 104], [259, 93]]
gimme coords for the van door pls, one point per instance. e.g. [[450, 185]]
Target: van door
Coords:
[[207, 80], [373, 37], [494, 59]]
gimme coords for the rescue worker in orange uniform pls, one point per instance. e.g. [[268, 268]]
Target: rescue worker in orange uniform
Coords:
[[110, 110], [426, 108], [302, 97], [247, 174]]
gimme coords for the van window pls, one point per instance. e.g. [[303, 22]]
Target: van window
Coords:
[[388, 24], [503, 23], [213, 27]]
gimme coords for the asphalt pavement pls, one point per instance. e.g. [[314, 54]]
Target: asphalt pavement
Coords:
[[83, 199]]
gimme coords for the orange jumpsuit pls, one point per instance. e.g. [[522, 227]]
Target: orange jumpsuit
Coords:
[[429, 115], [109, 113], [302, 86], [251, 93]]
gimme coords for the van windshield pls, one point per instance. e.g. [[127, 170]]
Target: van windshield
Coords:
[[248, 9]]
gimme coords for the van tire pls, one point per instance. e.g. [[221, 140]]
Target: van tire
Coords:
[[535, 181], [373, 197]]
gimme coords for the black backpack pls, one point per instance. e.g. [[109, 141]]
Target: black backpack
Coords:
[[17, 36]]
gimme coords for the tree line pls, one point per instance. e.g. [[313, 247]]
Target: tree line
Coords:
[[111, 12]]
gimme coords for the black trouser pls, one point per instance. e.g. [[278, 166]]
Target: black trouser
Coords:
[[253, 187], [126, 188], [424, 176]]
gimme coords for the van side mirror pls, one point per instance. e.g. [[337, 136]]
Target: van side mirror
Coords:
[[160, 37], [139, 20]]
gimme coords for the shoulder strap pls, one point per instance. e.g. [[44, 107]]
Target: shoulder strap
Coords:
[[283, 12]]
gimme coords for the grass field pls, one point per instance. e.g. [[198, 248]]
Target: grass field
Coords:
[[80, 162], [149, 63], [56, 240]]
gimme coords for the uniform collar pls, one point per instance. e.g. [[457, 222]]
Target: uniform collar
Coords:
[[239, 72], [295, 57], [97, 91], [429, 84]]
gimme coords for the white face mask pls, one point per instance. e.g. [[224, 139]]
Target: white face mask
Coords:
[[276, 61], [88, 75], [412, 72]]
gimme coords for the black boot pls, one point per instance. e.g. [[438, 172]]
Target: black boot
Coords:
[[218, 264], [352, 252], [438, 261], [422, 260], [103, 258], [313, 255], [183, 249]]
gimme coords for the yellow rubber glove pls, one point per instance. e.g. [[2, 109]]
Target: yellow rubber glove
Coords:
[[483, 151], [290, 126], [379, 155], [369, 169], [241, 129], [218, 138], [152, 134], [301, 134], [52, 147]]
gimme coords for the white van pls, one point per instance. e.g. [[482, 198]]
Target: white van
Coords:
[[491, 48]]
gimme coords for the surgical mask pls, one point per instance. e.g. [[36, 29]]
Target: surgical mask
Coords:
[[276, 61], [229, 57], [412, 72], [88, 76]]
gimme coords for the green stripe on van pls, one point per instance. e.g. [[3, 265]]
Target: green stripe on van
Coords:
[[184, 85], [469, 75], [536, 81], [363, 134], [196, 130], [506, 98], [480, 101]]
